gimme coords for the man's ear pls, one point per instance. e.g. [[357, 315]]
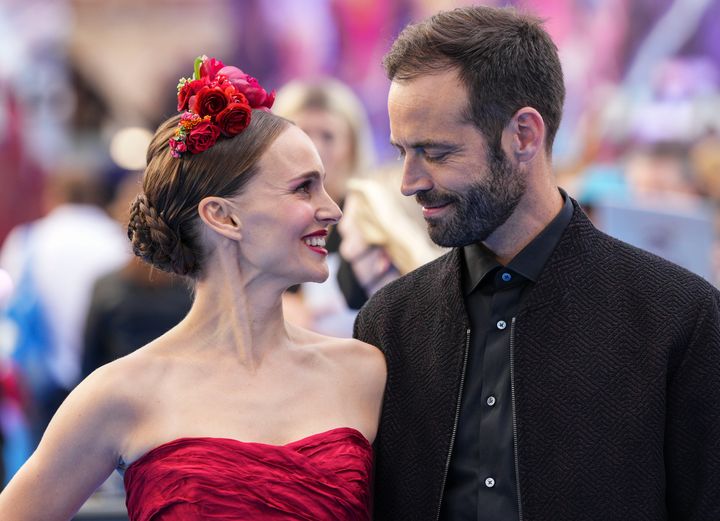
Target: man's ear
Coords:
[[525, 134], [220, 216]]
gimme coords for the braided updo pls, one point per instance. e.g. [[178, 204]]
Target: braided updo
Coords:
[[164, 222]]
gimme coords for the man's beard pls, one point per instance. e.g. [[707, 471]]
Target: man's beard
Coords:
[[480, 209]]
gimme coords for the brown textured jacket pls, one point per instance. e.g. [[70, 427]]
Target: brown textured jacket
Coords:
[[616, 377]]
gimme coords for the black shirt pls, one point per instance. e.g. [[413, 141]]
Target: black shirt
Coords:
[[481, 482]]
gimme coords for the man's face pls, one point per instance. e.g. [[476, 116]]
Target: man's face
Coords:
[[467, 190]]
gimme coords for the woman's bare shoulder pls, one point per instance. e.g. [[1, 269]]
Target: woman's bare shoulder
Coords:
[[351, 355], [126, 382], [356, 351], [335, 345]]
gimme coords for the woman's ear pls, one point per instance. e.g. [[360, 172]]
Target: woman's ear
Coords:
[[525, 134], [220, 216]]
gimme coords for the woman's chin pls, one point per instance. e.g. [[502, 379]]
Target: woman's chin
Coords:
[[317, 277]]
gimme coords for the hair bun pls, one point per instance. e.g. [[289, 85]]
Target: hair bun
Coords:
[[156, 242]]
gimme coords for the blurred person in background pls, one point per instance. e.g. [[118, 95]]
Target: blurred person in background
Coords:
[[662, 172], [335, 119], [235, 413], [705, 157], [133, 305], [54, 263], [542, 369], [383, 233]]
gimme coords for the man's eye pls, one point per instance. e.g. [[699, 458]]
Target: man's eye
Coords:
[[437, 158], [401, 154]]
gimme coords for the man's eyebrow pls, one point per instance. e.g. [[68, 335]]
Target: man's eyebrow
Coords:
[[425, 144]]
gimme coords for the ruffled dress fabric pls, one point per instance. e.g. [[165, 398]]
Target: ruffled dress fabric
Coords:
[[325, 476]]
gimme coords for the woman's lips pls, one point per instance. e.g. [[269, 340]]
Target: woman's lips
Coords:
[[318, 249]]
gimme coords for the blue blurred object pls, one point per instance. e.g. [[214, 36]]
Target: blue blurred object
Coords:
[[602, 182]]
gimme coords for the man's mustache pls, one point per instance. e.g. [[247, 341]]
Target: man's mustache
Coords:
[[434, 198]]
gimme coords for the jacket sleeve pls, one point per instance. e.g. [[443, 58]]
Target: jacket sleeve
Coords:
[[693, 421], [363, 328]]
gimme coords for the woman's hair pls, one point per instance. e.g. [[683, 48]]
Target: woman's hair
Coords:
[[504, 58], [333, 96], [164, 228]]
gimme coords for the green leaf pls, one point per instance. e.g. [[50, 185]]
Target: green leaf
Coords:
[[198, 62]]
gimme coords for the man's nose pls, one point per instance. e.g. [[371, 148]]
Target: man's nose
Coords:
[[415, 178]]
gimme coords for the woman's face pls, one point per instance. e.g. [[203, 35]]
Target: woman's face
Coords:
[[285, 212], [333, 138]]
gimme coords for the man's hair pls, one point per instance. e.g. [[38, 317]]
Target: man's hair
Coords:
[[505, 59]]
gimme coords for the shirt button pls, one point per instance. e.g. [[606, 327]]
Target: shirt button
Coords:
[[501, 324], [506, 277], [491, 400], [489, 482]]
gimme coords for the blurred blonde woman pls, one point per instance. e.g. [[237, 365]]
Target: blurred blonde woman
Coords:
[[334, 117], [383, 232]]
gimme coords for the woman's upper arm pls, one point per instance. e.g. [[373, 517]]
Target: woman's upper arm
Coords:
[[80, 449]]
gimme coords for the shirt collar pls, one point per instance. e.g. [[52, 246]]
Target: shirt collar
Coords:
[[479, 260]]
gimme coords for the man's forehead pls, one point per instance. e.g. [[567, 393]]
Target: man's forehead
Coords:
[[419, 125], [429, 87], [429, 100]]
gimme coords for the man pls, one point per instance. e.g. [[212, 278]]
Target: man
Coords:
[[540, 370]]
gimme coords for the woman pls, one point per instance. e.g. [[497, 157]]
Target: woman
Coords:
[[234, 413]]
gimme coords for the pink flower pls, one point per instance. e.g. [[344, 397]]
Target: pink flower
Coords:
[[249, 86], [232, 73], [177, 148]]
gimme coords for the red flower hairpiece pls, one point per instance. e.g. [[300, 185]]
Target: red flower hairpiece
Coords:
[[217, 101]]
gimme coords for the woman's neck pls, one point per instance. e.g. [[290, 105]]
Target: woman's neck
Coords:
[[240, 315]]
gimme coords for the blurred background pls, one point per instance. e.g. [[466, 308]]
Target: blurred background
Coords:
[[84, 83]]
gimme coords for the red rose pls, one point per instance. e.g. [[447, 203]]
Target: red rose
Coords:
[[209, 101], [210, 67], [187, 91], [234, 119], [234, 95], [202, 137]]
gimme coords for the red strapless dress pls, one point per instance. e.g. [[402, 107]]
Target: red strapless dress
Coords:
[[322, 477]]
